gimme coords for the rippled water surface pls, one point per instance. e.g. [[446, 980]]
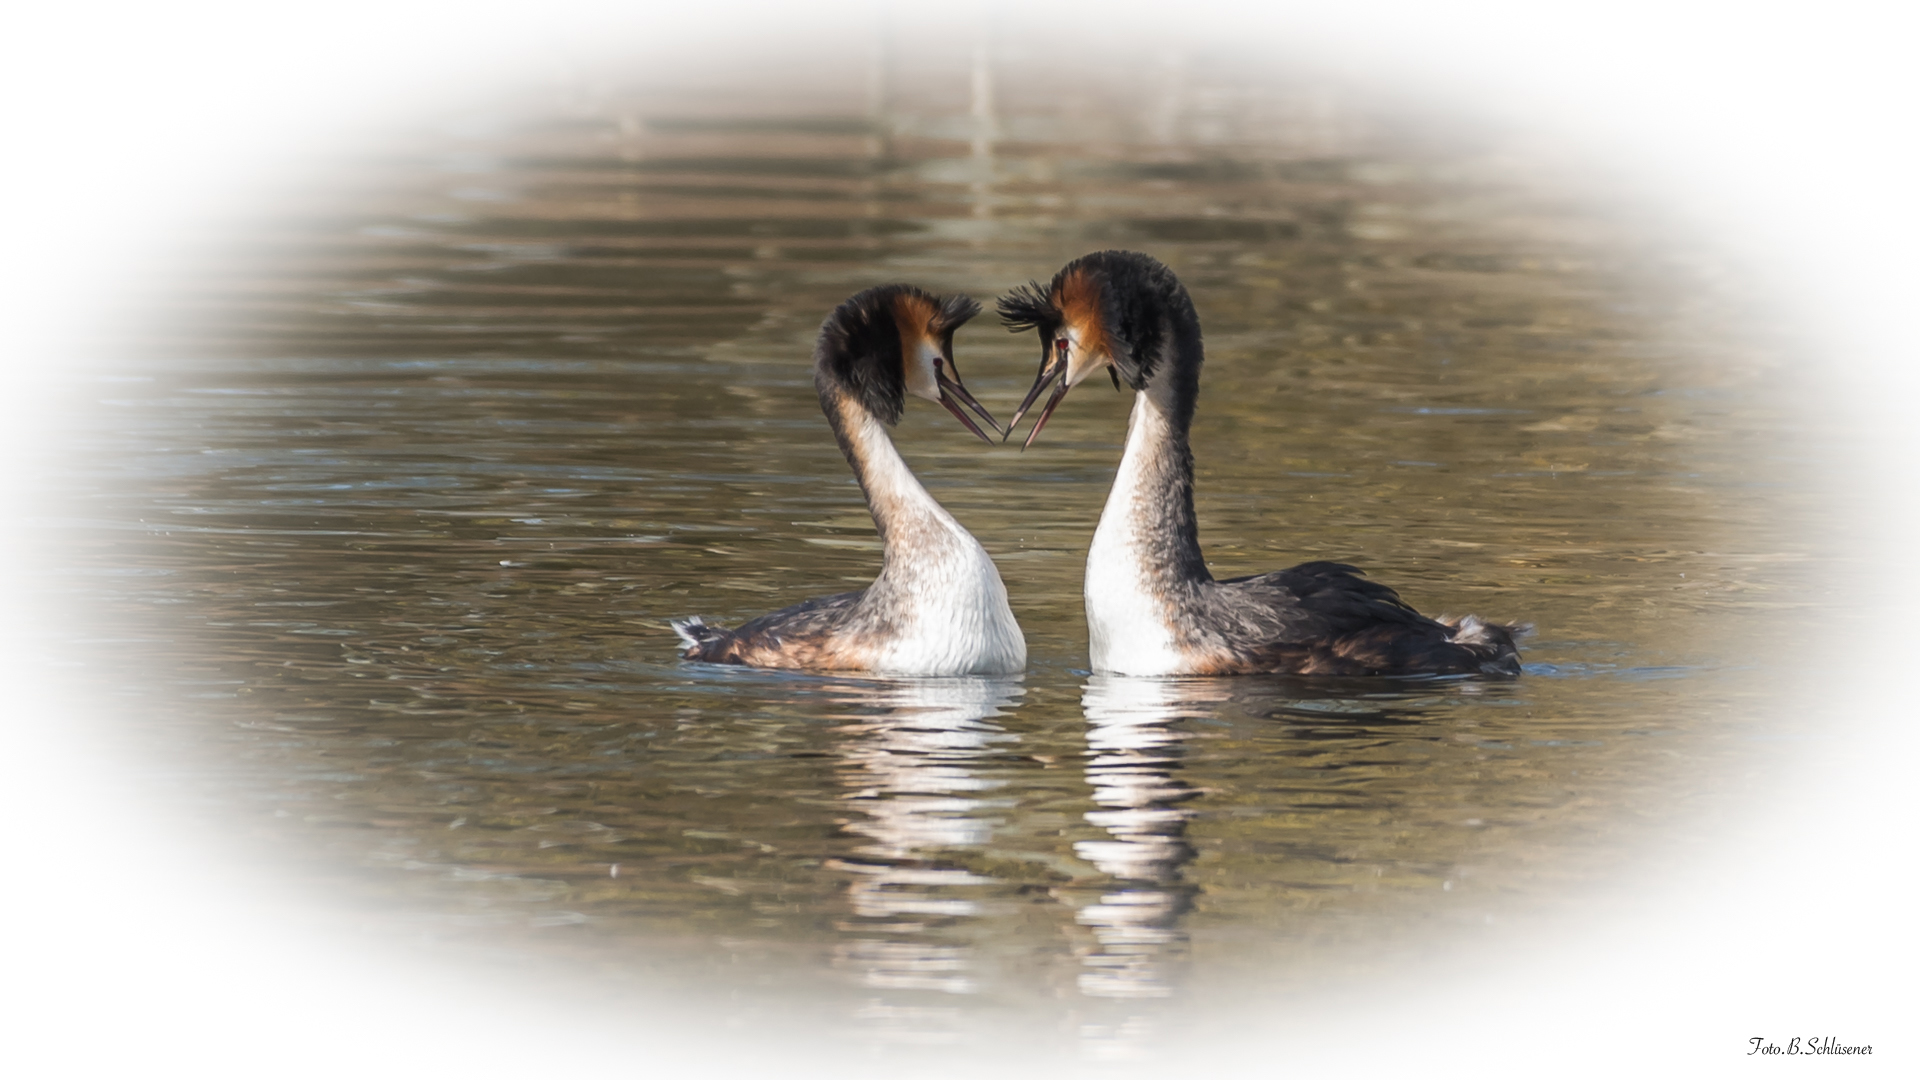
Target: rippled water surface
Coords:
[[389, 500]]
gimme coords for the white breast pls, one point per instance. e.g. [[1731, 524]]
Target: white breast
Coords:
[[957, 621]]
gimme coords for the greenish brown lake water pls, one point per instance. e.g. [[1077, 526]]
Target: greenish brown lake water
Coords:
[[378, 520]]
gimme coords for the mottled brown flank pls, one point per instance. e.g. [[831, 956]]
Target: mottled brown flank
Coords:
[[819, 652], [828, 633], [1078, 299], [914, 315]]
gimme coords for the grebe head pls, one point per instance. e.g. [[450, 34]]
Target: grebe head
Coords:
[[893, 340], [1117, 310]]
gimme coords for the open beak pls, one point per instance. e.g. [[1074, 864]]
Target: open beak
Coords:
[[953, 395], [1049, 371]]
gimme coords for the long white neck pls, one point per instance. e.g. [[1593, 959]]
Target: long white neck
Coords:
[[938, 589], [903, 510], [1146, 550]]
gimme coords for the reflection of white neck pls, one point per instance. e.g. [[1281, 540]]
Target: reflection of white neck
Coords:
[[1132, 752], [1116, 706], [1130, 767], [914, 778], [943, 596], [1129, 628]]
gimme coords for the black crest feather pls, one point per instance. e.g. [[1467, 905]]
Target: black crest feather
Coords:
[[955, 310], [1027, 307]]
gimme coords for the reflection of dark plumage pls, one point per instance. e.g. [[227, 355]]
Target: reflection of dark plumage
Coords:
[[1152, 606], [938, 606]]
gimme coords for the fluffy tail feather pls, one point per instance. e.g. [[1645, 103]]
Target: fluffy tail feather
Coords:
[[1492, 643], [695, 635]]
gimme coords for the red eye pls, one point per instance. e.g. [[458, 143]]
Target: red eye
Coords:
[[1061, 344]]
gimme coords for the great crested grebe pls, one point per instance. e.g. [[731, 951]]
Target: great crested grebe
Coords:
[[1152, 607], [938, 606]]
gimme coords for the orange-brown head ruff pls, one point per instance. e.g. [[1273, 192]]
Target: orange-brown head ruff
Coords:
[[1107, 310], [886, 342]]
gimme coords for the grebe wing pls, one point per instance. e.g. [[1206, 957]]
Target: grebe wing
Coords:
[[799, 626], [1322, 599], [1329, 618]]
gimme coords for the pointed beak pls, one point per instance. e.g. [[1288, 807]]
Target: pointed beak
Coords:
[[1046, 414], [1055, 368], [1052, 364], [953, 394]]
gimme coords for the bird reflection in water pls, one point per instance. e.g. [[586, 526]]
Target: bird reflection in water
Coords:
[[909, 770], [1133, 755]]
